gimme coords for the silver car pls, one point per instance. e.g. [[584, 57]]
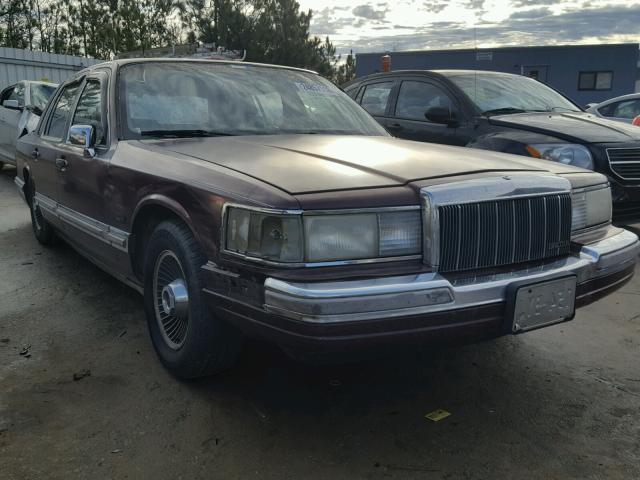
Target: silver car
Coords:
[[621, 109], [21, 105]]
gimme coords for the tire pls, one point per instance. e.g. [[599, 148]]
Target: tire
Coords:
[[189, 340], [42, 229]]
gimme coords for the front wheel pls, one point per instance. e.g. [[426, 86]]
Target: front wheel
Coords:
[[189, 340]]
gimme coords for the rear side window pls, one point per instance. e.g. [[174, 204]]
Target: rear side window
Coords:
[[375, 97], [415, 98], [89, 110], [60, 115]]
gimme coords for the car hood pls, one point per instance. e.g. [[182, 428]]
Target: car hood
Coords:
[[301, 164], [578, 127]]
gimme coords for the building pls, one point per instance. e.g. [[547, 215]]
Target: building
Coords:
[[584, 73], [16, 65]]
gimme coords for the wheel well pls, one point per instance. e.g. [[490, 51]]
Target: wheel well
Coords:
[[147, 218]]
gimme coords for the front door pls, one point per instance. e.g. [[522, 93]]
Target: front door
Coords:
[[82, 179], [415, 98]]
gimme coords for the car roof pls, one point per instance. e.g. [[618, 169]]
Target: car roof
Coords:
[[630, 96], [126, 61], [432, 73]]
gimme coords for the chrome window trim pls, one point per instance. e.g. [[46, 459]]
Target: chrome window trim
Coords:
[[110, 235], [307, 213]]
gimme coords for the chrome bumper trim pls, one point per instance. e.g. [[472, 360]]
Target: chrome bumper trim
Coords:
[[389, 297]]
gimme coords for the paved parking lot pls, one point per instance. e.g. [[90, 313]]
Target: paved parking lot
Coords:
[[561, 403]]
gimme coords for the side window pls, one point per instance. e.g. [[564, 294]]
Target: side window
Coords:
[[89, 110], [7, 94], [607, 109], [61, 111], [415, 98], [18, 94], [626, 109], [351, 92], [375, 96]]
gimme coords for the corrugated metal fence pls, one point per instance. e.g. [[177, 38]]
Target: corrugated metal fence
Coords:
[[16, 65]]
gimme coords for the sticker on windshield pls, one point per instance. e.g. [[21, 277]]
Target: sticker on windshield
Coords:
[[314, 88]]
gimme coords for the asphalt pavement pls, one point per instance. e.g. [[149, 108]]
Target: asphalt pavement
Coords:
[[82, 394]]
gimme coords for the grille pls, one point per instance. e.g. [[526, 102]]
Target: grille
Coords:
[[504, 232], [625, 162]]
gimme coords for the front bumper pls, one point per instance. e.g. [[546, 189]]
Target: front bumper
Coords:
[[426, 308]]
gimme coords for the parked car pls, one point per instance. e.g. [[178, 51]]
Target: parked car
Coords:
[[506, 113], [245, 199], [621, 109], [21, 105]]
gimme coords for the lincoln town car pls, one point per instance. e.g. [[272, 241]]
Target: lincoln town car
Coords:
[[245, 200]]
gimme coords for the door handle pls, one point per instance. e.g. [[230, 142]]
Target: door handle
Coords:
[[394, 127], [35, 154], [61, 164]]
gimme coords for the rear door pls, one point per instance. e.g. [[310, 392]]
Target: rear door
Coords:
[[414, 98], [45, 172]]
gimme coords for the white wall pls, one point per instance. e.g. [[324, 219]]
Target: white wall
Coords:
[[16, 65]]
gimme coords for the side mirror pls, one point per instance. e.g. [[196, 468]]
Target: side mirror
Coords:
[[12, 105], [443, 115], [84, 136]]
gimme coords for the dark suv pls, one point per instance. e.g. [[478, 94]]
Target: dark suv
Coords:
[[505, 113]]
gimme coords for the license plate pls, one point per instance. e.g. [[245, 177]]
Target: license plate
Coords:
[[544, 304]]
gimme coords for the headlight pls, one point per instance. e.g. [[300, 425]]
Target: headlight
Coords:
[[567, 153], [322, 238], [590, 206], [263, 235]]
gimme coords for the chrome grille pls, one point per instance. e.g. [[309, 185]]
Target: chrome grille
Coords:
[[625, 162], [502, 232]]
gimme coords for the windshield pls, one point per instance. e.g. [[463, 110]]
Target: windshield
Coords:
[[40, 94], [511, 94], [207, 99]]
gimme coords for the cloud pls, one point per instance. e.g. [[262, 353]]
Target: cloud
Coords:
[[534, 3], [531, 14], [530, 27], [435, 6], [328, 21], [367, 11]]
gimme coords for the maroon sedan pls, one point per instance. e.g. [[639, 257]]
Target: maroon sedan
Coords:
[[245, 199]]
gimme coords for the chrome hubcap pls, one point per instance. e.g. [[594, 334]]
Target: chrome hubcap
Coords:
[[171, 299]]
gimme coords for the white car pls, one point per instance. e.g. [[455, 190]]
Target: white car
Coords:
[[621, 109], [21, 105]]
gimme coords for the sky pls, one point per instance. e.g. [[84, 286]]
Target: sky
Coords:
[[396, 25]]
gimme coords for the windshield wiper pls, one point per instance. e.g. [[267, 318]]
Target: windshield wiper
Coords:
[[184, 133], [504, 110]]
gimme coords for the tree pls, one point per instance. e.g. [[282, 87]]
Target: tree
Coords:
[[345, 71], [271, 31]]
